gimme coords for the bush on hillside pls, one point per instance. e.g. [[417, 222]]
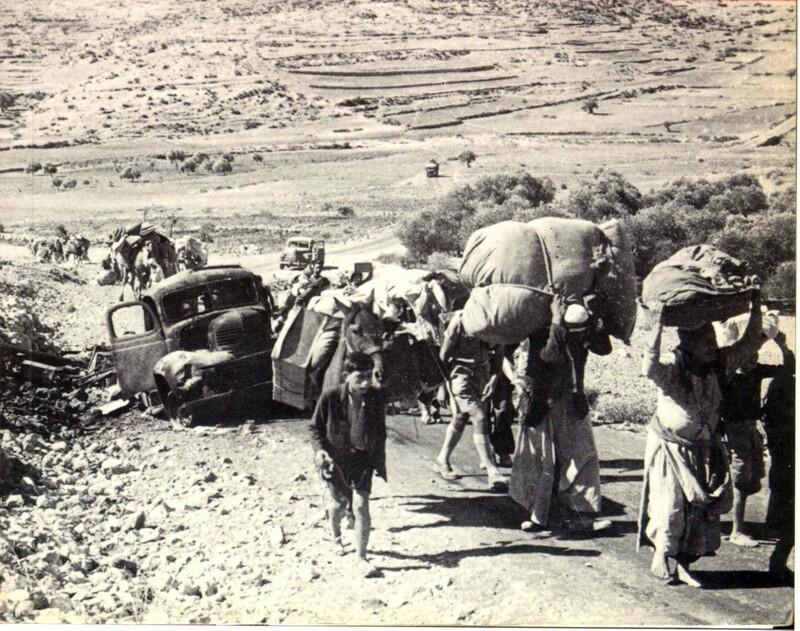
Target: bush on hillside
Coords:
[[782, 283], [222, 167], [190, 166], [656, 234], [464, 210], [739, 194], [784, 201], [130, 174], [764, 242], [607, 195]]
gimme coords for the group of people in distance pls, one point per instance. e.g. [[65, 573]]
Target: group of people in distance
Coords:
[[703, 454]]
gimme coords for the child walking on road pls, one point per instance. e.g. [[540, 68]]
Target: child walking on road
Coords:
[[348, 433]]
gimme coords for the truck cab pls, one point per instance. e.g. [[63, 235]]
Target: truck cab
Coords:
[[199, 341]]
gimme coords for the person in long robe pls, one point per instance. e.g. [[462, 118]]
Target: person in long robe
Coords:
[[556, 470], [687, 482]]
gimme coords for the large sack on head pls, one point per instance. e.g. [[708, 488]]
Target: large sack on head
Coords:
[[505, 314], [616, 291], [511, 252], [579, 256], [699, 285]]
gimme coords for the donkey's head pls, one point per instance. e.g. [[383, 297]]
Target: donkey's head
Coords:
[[366, 330]]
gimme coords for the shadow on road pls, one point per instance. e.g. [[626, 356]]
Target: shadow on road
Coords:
[[634, 464], [480, 511], [740, 579], [452, 558], [610, 479]]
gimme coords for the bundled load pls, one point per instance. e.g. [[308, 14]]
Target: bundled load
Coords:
[[192, 254], [515, 270], [699, 285]]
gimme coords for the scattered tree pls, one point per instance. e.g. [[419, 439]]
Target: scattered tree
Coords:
[[50, 169], [130, 174], [190, 166], [33, 167], [258, 157], [222, 167], [346, 211], [590, 105], [69, 184], [782, 283], [199, 157], [227, 157], [7, 101], [57, 182], [467, 157], [175, 156]]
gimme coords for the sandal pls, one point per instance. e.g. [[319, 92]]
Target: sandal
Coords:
[[446, 472]]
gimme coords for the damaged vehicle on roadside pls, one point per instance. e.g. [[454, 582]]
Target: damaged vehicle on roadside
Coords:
[[198, 342]]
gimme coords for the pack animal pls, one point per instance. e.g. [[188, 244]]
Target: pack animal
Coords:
[[142, 260]]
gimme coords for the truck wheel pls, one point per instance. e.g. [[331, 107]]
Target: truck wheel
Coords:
[[175, 412], [282, 266]]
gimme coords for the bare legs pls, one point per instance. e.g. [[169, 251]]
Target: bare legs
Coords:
[[363, 525], [737, 536], [480, 438], [659, 567]]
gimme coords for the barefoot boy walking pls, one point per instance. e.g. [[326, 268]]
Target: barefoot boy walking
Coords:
[[348, 433]]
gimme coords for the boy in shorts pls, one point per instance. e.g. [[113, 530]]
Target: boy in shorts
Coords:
[[348, 433], [741, 409], [469, 361]]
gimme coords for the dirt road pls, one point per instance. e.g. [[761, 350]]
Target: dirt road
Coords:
[[224, 524], [450, 552]]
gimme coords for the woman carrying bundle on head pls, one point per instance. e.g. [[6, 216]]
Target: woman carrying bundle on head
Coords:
[[687, 483]]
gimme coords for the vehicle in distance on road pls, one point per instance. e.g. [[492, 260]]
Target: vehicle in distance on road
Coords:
[[300, 251]]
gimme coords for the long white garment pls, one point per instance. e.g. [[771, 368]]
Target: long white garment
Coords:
[[557, 455]]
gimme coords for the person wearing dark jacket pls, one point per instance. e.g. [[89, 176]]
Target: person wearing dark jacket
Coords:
[[779, 420], [348, 434]]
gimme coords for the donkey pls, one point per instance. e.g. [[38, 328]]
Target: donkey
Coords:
[[361, 330]]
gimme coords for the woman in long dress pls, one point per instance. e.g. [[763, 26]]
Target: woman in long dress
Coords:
[[556, 470], [687, 478]]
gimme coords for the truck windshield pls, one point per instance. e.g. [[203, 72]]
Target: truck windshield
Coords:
[[214, 296]]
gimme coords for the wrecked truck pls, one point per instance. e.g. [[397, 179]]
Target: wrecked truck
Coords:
[[198, 342]]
